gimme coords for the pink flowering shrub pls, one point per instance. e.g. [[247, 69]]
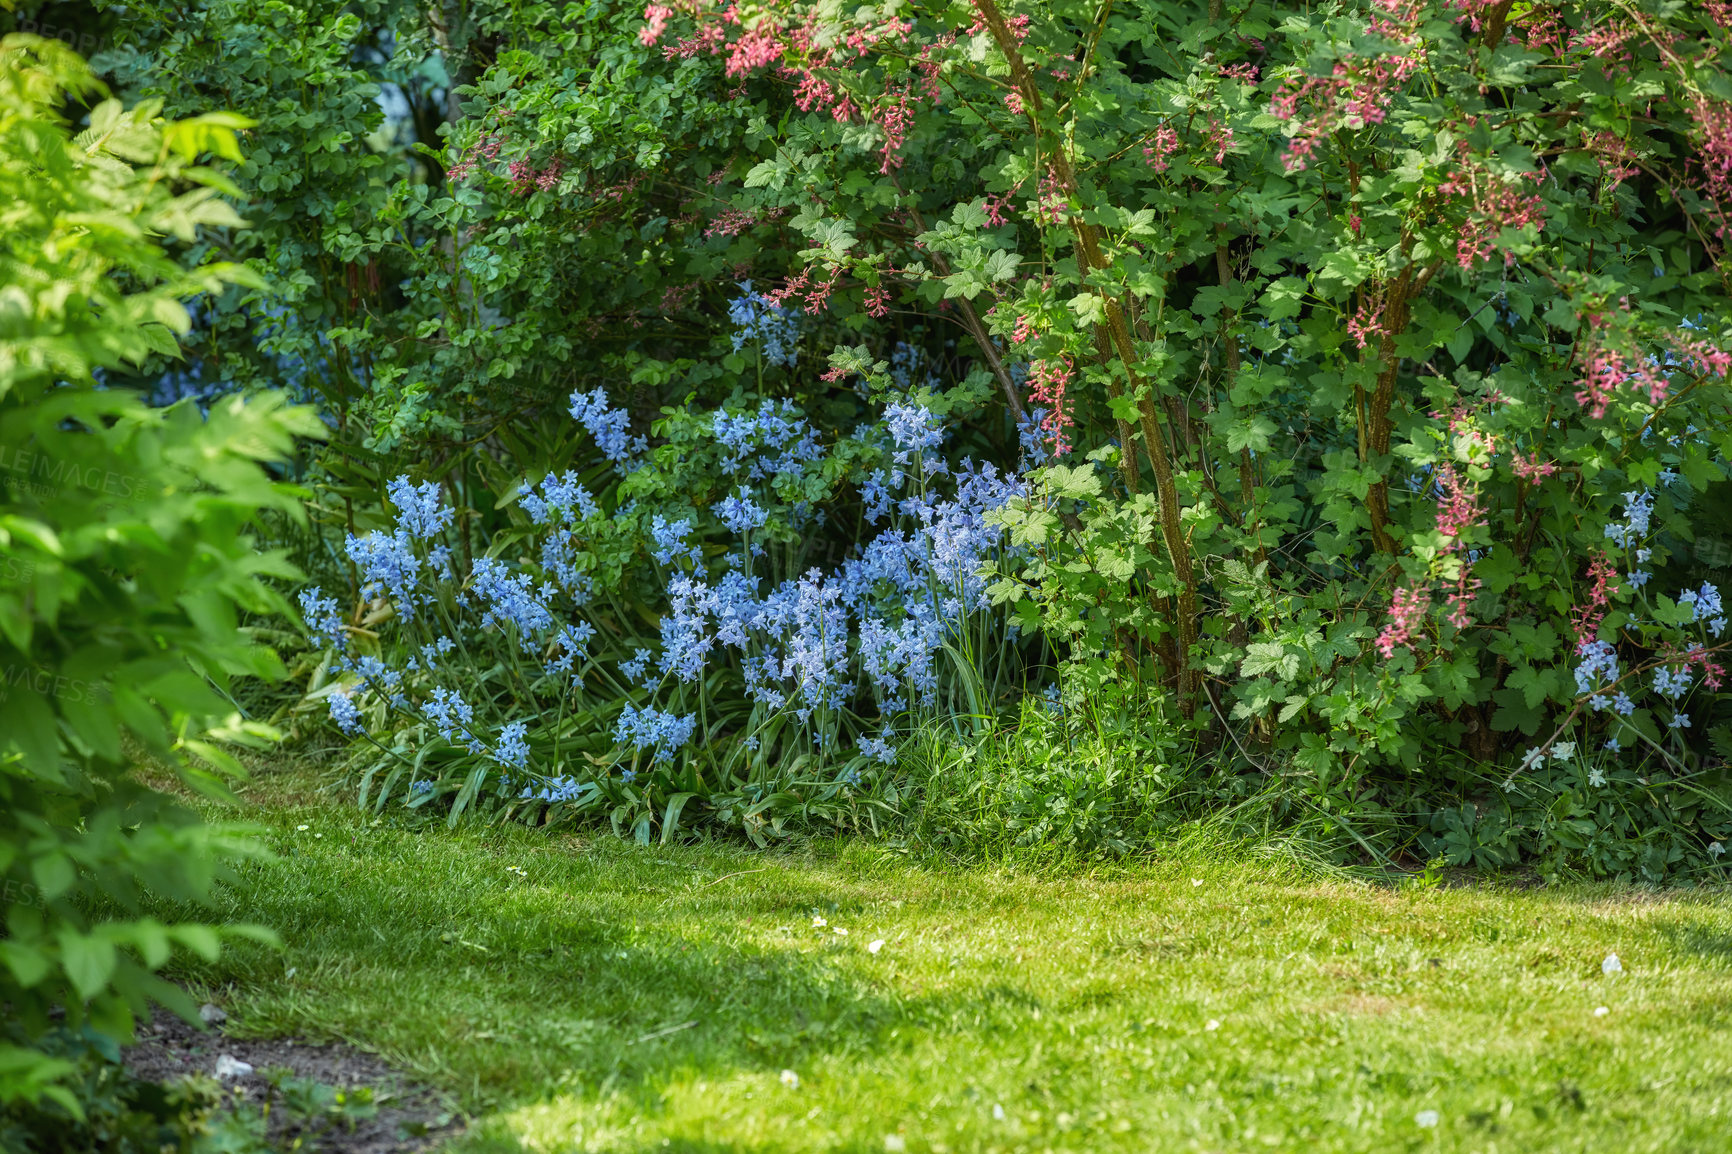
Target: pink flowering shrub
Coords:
[[1369, 365]]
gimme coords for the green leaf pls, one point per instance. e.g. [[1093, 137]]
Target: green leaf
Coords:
[[87, 960]]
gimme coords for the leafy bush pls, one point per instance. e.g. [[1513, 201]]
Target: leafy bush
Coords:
[[124, 559], [1380, 347]]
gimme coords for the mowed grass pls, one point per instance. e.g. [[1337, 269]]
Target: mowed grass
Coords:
[[578, 993]]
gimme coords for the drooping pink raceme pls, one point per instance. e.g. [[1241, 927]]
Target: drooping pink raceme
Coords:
[[731, 222], [1616, 159], [1713, 673], [1161, 145], [1585, 619], [1366, 322], [1531, 469], [895, 117], [1406, 617], [1459, 510], [1465, 432], [655, 22], [1048, 382], [1494, 204]]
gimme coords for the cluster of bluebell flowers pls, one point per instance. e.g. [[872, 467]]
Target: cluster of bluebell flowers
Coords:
[[831, 661]]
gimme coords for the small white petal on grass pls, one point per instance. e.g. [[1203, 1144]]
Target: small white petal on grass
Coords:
[[790, 1079], [1601, 1011], [998, 1112], [1212, 1024], [819, 923], [875, 946], [894, 1144], [1611, 965], [291, 971], [230, 1067], [1425, 1119], [1196, 881], [318, 835], [303, 828], [841, 932]]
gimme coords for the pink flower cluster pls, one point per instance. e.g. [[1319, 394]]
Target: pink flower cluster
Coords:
[[525, 176], [1616, 159], [816, 292], [1713, 673], [1531, 469], [1458, 512], [1047, 385], [1054, 206], [655, 23], [677, 297], [1586, 619], [1407, 612], [487, 148], [731, 222], [1161, 145], [1606, 369], [1463, 430], [1494, 204], [1017, 24], [1714, 125], [1367, 322], [1356, 94]]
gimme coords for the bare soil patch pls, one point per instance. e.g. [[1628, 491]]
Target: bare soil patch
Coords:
[[409, 1118]]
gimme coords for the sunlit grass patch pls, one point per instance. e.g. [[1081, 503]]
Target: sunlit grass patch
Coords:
[[584, 994]]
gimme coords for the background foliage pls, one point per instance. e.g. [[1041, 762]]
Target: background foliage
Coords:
[[125, 564], [1371, 353]]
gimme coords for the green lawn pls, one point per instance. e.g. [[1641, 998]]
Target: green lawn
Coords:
[[576, 993]]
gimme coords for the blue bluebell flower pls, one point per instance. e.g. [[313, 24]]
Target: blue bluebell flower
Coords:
[[388, 564], [324, 622], [653, 729], [1638, 511], [670, 541], [420, 512], [556, 789], [1599, 666], [344, 713], [1672, 682], [1705, 605], [511, 599], [609, 427], [512, 749], [775, 328], [450, 714], [740, 514], [632, 669]]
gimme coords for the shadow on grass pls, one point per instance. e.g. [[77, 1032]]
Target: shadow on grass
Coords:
[[595, 981], [1696, 938]]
